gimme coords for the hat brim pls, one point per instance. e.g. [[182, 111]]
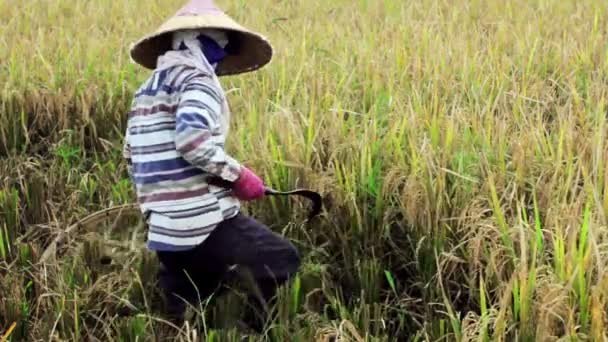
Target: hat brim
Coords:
[[247, 50]]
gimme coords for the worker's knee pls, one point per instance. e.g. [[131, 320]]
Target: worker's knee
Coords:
[[288, 261], [279, 259]]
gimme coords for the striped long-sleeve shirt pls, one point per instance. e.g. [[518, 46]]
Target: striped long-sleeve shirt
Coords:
[[175, 138]]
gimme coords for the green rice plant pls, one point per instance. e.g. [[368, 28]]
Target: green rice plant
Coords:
[[391, 281], [121, 191], [525, 283], [581, 255], [296, 295], [10, 211], [500, 218], [559, 255], [134, 329], [4, 243], [484, 336]]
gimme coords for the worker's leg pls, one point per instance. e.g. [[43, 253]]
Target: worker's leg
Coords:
[[268, 257], [175, 286], [186, 280], [241, 241]]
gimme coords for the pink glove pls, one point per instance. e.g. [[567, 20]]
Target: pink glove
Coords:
[[249, 186]]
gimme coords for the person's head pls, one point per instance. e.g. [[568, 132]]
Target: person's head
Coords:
[[247, 50], [210, 41]]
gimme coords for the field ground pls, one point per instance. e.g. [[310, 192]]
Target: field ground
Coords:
[[461, 145]]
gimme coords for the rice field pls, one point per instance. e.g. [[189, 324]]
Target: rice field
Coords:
[[461, 147]]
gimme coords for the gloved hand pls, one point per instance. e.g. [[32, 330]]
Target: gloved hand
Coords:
[[248, 186]]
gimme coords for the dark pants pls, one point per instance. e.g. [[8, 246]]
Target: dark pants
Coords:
[[242, 241]]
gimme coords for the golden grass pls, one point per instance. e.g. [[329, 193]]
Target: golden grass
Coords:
[[462, 145]]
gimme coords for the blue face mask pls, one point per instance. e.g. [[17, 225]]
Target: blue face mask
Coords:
[[212, 51]]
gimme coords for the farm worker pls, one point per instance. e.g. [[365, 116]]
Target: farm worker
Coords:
[[174, 143]]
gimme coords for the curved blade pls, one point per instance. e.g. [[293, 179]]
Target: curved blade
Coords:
[[314, 197]]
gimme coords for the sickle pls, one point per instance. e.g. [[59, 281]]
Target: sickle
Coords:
[[314, 197]]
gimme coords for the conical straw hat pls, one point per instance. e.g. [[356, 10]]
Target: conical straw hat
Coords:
[[247, 50]]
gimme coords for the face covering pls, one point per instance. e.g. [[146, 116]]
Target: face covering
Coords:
[[210, 43]]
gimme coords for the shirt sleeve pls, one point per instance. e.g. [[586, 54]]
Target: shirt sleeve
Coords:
[[198, 136]]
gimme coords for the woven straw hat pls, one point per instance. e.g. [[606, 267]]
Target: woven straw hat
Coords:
[[247, 50]]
